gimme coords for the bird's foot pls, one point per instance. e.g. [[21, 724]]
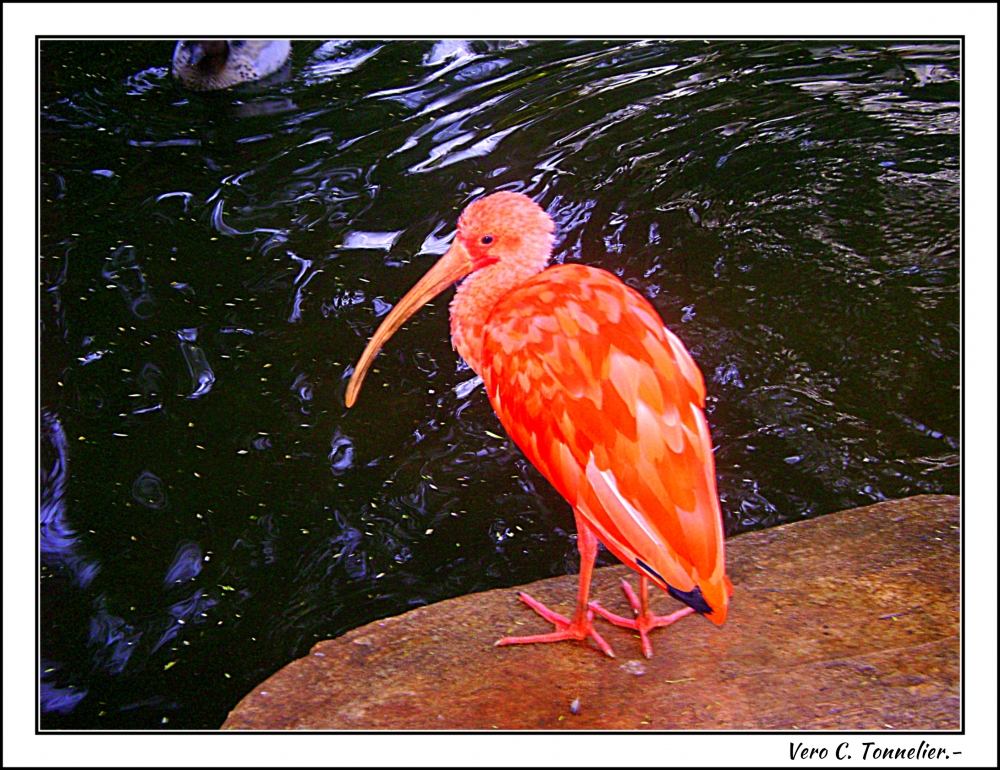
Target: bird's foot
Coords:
[[580, 627], [644, 622]]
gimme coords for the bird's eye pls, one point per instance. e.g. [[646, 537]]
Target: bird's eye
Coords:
[[487, 240]]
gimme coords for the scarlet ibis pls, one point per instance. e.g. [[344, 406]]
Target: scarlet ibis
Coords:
[[208, 65], [602, 398]]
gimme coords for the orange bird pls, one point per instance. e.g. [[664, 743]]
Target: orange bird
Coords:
[[602, 398]]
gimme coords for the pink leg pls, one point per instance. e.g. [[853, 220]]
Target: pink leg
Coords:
[[644, 621], [581, 626]]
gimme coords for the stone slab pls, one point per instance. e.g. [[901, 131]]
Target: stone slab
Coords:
[[847, 621]]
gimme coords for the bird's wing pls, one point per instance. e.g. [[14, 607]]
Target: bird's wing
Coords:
[[607, 403]]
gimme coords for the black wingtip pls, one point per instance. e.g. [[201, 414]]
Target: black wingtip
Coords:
[[692, 599]]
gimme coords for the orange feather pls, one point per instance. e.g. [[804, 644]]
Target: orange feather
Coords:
[[627, 449]]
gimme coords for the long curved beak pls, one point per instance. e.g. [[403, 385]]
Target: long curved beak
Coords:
[[455, 264]]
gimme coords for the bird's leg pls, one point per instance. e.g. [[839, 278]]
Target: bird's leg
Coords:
[[644, 620], [582, 624]]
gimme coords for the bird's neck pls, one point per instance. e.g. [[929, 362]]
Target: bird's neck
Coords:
[[475, 299]]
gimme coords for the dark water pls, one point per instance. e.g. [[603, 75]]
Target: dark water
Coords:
[[213, 264]]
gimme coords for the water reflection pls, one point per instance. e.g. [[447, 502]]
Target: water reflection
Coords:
[[213, 263], [337, 57], [341, 453], [58, 540], [61, 700], [147, 489], [202, 376], [185, 566]]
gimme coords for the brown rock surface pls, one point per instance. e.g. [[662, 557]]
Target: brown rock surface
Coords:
[[847, 621]]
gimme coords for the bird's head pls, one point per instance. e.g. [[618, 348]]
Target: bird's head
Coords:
[[505, 228]]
